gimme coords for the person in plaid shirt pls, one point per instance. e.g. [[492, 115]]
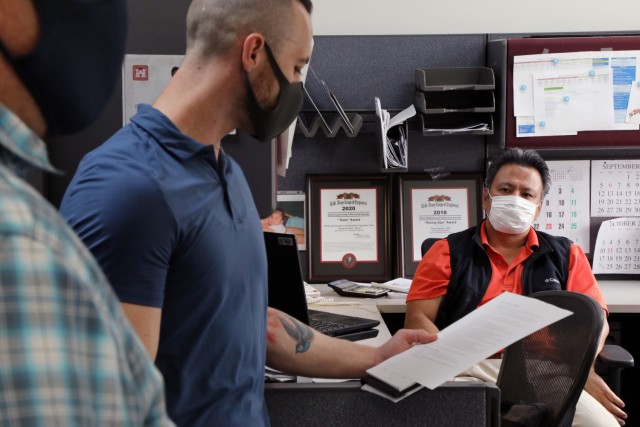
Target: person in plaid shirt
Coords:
[[68, 356]]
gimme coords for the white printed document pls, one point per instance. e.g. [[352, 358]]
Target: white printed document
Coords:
[[480, 334], [566, 103]]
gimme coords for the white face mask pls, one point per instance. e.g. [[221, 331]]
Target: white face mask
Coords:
[[511, 214]]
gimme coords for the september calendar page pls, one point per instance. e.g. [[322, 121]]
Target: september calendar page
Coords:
[[615, 188]]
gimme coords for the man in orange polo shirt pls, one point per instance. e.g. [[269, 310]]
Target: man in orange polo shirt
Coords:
[[505, 254]]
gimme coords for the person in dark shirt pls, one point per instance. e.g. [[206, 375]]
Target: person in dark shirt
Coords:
[[172, 222]]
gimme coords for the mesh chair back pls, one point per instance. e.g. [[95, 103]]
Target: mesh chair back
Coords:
[[427, 243], [551, 366]]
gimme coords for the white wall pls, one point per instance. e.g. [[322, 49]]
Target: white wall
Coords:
[[358, 17]]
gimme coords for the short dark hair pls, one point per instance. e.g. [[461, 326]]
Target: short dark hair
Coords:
[[214, 25], [525, 158], [307, 5]]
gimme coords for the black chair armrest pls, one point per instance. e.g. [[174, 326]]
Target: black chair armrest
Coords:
[[614, 356]]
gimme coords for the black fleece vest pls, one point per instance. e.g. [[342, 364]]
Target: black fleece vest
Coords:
[[546, 269]]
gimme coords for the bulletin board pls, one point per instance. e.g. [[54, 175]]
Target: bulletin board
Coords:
[[583, 139]]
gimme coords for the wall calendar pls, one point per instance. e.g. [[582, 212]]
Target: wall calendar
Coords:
[[615, 188], [617, 248], [565, 210]]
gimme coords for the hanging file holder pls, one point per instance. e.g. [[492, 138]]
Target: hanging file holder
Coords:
[[393, 134]]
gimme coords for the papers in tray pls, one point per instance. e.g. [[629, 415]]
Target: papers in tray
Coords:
[[464, 127], [478, 335]]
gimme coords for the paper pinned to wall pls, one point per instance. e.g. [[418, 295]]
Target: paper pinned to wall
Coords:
[[143, 79]]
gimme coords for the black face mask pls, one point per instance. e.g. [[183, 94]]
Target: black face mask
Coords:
[[269, 124], [74, 67]]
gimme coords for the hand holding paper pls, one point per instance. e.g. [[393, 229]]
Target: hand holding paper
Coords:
[[481, 333]]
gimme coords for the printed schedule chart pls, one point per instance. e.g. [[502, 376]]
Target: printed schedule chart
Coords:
[[565, 210]]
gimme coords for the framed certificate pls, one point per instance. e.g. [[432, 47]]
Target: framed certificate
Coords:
[[434, 209], [349, 230]]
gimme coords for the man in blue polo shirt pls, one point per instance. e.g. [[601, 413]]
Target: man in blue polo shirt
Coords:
[[171, 220]]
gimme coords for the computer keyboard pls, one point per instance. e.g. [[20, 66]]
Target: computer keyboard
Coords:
[[327, 328]]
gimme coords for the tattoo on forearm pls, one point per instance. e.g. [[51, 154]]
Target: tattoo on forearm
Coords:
[[301, 333]]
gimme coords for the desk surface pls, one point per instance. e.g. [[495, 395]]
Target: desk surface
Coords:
[[368, 310], [622, 296]]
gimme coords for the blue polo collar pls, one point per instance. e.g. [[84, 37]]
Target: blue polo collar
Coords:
[[163, 130]]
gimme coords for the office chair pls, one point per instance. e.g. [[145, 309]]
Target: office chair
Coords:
[[547, 370], [611, 360], [427, 243]]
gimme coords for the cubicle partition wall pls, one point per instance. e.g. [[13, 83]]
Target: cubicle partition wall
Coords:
[[359, 68], [456, 404]]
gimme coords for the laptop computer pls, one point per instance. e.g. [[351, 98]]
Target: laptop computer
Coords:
[[286, 293]]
